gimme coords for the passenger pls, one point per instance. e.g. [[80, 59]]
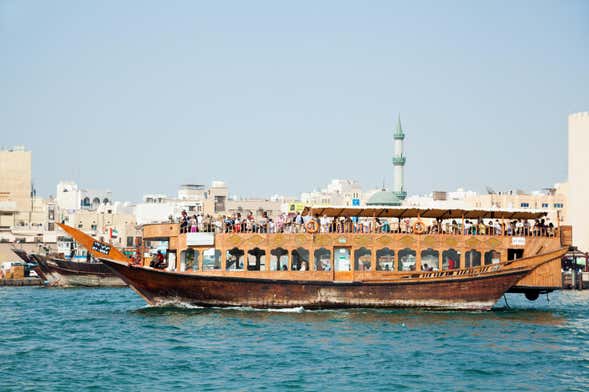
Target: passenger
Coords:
[[324, 224], [263, 222], [298, 222], [304, 265], [285, 267], [386, 228], [158, 261], [184, 222], [454, 227], [519, 227], [467, 227], [526, 227], [509, 228], [193, 224], [280, 221], [498, 227], [482, 228], [451, 264]]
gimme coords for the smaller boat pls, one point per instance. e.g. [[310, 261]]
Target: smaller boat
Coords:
[[77, 269], [59, 272]]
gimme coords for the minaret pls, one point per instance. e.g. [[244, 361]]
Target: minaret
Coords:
[[399, 162]]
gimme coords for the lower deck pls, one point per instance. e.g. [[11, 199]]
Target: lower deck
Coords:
[[355, 256]]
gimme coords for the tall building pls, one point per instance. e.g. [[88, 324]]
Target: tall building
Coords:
[[578, 173], [15, 177], [398, 194]]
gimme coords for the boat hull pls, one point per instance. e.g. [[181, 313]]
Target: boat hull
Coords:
[[63, 273], [161, 288]]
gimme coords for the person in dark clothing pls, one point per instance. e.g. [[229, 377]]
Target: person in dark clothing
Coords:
[[158, 261]]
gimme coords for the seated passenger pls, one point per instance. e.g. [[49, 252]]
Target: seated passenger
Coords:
[[158, 261]]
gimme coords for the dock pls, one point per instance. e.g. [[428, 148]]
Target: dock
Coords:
[[21, 282]]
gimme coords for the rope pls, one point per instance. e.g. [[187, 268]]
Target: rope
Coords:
[[506, 304]]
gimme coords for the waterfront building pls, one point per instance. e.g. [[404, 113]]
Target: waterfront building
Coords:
[[112, 223], [398, 194], [552, 200], [24, 217], [15, 178], [578, 177], [67, 196], [344, 192], [15, 188]]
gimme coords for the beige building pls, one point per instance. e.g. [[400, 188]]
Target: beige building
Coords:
[[578, 172], [17, 205], [106, 224], [552, 200], [15, 177]]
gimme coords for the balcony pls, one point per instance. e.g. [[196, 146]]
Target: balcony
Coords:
[[8, 206], [399, 160]]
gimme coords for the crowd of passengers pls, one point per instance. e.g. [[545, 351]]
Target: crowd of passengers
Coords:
[[297, 223]]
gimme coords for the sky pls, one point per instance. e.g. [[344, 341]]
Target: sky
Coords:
[[280, 97]]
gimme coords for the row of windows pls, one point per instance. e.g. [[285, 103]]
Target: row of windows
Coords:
[[255, 260], [544, 205]]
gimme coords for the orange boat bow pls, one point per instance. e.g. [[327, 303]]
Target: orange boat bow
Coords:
[[96, 248]]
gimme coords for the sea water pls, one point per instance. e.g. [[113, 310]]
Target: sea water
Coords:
[[108, 339]]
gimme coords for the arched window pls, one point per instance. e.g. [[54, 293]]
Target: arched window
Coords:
[[86, 202], [234, 259], [300, 259], [95, 201], [385, 259], [189, 260], [472, 258], [492, 257], [279, 259], [407, 259], [256, 259], [322, 259], [211, 259], [430, 260], [450, 259], [362, 259], [105, 201]]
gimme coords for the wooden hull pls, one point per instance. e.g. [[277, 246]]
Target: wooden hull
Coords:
[[458, 293], [63, 273]]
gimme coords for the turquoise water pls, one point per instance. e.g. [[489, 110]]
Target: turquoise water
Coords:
[[108, 339]]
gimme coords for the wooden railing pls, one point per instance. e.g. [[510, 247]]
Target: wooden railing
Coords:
[[368, 227]]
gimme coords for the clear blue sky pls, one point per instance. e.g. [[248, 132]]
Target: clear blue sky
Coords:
[[277, 97]]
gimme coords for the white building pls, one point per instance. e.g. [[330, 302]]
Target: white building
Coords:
[[67, 196], [337, 192], [578, 173]]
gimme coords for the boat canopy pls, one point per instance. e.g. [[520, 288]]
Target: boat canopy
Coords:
[[413, 212]]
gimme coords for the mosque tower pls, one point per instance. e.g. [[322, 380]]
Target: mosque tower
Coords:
[[398, 194], [399, 162]]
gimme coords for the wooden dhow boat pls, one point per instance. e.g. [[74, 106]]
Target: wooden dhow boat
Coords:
[[430, 259], [58, 272]]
